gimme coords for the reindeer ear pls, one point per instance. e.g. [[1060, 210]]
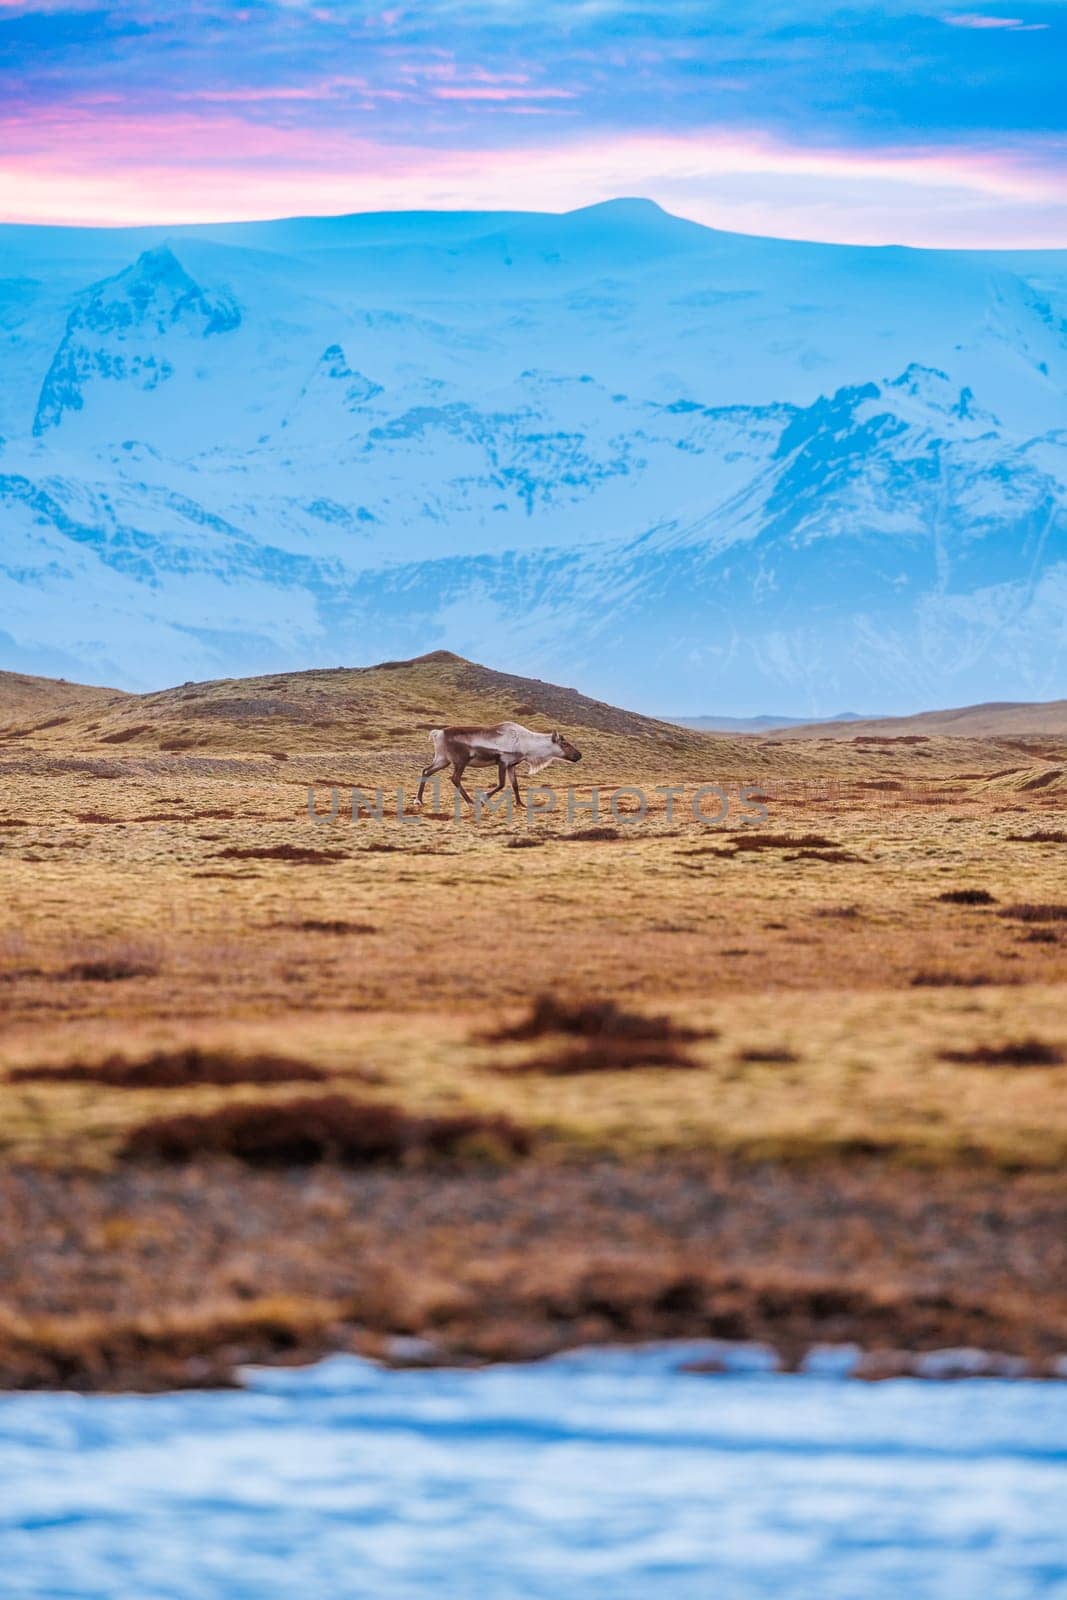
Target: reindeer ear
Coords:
[[556, 737]]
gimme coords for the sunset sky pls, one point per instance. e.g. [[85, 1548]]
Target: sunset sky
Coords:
[[928, 125]]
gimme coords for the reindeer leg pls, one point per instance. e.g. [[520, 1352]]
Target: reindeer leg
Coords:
[[458, 769], [515, 782], [502, 775], [438, 764]]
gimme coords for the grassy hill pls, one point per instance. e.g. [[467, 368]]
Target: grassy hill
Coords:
[[26, 700], [992, 720], [373, 723], [390, 706]]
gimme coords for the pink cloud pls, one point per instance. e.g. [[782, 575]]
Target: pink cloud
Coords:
[[483, 92], [170, 167]]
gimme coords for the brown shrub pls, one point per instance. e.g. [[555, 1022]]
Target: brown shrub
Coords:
[[593, 1019], [1043, 836], [782, 841], [824, 855], [968, 897], [951, 980], [297, 854], [767, 1054], [895, 738], [1017, 1053], [591, 835], [838, 911], [338, 925], [174, 1069], [523, 841], [325, 1128], [109, 969], [1040, 936], [1026, 911], [609, 1055]]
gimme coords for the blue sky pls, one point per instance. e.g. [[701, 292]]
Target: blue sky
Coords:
[[941, 124]]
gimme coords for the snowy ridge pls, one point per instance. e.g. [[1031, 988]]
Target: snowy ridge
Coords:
[[684, 467]]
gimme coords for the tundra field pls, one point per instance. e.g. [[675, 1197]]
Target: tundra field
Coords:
[[466, 1089]]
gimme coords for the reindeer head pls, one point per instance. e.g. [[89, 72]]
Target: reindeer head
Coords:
[[567, 751]]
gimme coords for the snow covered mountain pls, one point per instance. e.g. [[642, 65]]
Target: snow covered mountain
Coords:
[[682, 467]]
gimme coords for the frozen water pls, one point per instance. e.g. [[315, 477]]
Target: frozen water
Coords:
[[606, 1474]]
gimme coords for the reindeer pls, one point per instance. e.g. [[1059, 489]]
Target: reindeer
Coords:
[[502, 746]]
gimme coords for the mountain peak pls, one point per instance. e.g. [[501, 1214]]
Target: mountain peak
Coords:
[[624, 208], [118, 333]]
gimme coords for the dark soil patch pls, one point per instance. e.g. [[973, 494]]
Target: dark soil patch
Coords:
[[300, 1133], [175, 1069], [125, 734], [591, 835], [968, 897], [522, 841], [773, 1057], [1043, 836]]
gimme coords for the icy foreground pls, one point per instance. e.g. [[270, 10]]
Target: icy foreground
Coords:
[[600, 1474], [690, 470]]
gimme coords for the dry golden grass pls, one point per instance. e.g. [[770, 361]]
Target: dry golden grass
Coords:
[[46, 704], [155, 899]]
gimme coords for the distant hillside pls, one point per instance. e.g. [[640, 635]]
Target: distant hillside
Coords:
[[993, 720], [388, 707], [767, 724], [25, 699], [371, 725]]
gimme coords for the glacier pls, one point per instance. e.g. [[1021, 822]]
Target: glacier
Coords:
[[684, 468]]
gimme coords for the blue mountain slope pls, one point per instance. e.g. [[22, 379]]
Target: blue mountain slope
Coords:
[[691, 468]]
